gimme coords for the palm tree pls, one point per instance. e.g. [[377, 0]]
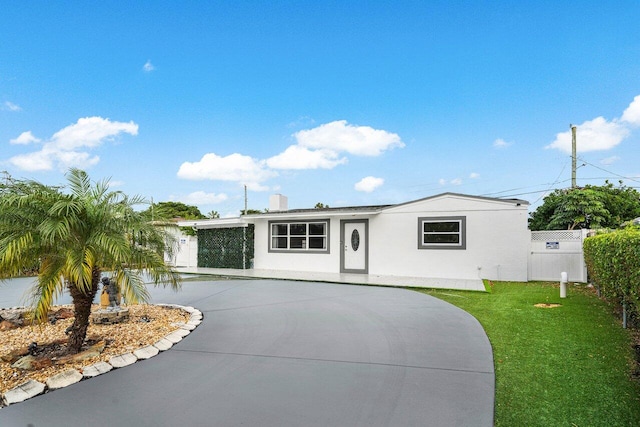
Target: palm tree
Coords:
[[74, 236]]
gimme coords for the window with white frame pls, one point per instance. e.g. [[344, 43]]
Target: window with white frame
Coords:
[[299, 236], [442, 232]]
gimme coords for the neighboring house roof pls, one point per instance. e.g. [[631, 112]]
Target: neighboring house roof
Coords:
[[214, 223], [243, 220]]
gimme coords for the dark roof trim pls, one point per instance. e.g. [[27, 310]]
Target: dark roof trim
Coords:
[[466, 196], [379, 208], [341, 209]]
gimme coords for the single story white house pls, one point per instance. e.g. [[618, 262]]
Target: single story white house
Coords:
[[448, 238]]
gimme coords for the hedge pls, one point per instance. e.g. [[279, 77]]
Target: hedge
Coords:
[[613, 264]]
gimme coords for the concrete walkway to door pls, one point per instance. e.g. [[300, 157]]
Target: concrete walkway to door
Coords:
[[285, 353]]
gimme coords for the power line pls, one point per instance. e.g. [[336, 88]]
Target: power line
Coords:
[[608, 171], [525, 188], [554, 183], [523, 194]]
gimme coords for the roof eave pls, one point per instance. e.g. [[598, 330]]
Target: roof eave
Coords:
[[214, 223], [319, 214]]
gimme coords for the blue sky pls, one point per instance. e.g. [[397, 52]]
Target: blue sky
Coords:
[[344, 103]]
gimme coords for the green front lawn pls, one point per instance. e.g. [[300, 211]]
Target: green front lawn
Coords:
[[564, 366]]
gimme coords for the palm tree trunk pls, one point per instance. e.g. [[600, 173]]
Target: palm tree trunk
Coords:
[[82, 307]]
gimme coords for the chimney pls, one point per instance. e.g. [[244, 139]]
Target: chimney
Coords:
[[278, 202]]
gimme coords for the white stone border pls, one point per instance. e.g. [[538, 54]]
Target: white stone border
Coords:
[[34, 388]]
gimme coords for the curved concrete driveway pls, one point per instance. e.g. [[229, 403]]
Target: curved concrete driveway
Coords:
[[276, 353]]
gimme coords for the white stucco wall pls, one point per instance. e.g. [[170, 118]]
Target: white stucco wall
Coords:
[[497, 242], [324, 262]]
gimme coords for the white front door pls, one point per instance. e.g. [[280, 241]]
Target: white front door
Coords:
[[355, 246]]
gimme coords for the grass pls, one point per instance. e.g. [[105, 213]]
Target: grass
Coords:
[[565, 366]]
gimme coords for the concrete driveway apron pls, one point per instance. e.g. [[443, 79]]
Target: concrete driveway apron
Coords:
[[284, 353]]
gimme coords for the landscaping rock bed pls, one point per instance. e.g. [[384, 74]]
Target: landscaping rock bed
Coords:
[[41, 349]]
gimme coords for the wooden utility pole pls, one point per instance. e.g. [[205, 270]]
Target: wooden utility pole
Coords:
[[245, 199], [573, 156], [244, 234]]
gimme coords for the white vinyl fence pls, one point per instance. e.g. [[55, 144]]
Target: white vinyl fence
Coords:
[[553, 252], [186, 254]]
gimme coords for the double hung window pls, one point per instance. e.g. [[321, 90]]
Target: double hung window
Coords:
[[299, 236]]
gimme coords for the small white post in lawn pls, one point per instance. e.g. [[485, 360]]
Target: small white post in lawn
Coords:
[[563, 284]]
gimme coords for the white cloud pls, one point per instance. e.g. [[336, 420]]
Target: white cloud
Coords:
[[148, 67], [318, 148], [632, 114], [599, 133], [91, 132], [501, 143], [455, 181], [340, 136], [609, 160], [368, 184], [202, 198], [11, 106], [38, 161], [474, 175], [592, 135], [69, 147], [234, 167], [297, 157], [25, 138], [67, 159]]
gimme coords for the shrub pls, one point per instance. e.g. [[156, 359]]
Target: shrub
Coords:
[[613, 263]]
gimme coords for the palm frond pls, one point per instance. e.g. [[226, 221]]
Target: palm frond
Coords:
[[79, 182], [101, 190], [166, 277], [49, 285], [15, 252], [73, 233], [132, 286], [77, 271]]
